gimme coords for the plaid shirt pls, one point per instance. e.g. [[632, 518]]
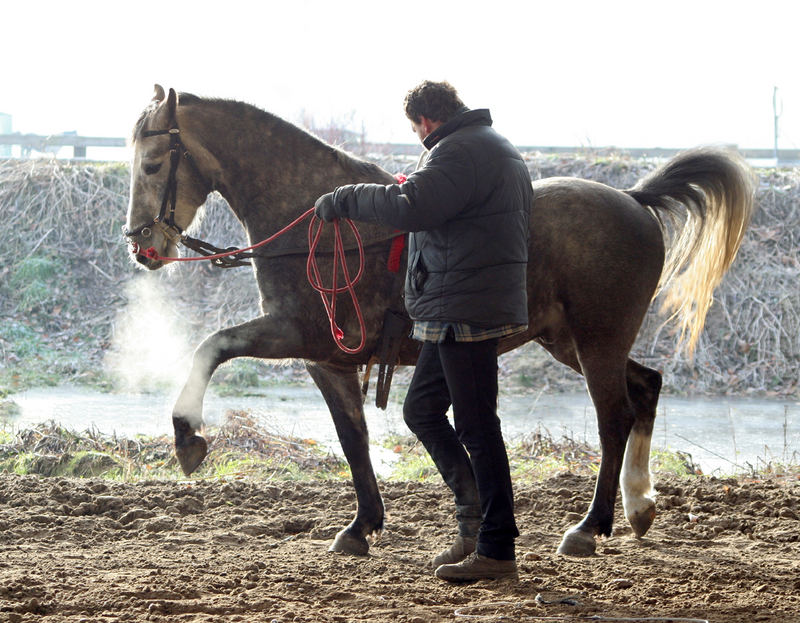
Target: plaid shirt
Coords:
[[436, 331]]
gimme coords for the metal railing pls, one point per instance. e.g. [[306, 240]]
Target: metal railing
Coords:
[[41, 143], [36, 142]]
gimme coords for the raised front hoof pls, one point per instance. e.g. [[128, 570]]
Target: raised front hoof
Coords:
[[191, 453], [642, 520], [349, 543], [577, 543]]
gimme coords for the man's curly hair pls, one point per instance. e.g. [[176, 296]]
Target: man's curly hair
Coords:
[[438, 101]]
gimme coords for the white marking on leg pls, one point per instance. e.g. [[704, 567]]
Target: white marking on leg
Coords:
[[189, 404], [637, 489], [194, 419]]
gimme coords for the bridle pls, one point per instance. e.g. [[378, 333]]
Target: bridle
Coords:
[[165, 221]]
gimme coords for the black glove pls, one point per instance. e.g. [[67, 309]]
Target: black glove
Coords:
[[325, 208]]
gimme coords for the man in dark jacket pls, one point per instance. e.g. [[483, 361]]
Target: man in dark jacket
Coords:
[[467, 209]]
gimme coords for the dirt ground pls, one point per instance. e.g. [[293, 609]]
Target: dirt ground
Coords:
[[89, 550]]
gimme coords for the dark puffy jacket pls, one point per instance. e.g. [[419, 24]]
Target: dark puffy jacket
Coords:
[[467, 208]]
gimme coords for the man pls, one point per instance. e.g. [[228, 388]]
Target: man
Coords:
[[467, 209]]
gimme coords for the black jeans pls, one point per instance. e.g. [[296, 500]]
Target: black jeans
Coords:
[[472, 456]]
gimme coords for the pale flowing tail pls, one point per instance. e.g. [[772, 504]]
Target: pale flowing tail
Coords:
[[705, 199]]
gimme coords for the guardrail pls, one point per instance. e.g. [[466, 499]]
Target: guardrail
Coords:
[[41, 143], [37, 142]]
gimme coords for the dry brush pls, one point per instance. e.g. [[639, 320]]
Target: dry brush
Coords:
[[64, 265]]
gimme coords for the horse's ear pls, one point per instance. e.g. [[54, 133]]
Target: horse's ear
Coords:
[[172, 102], [158, 93]]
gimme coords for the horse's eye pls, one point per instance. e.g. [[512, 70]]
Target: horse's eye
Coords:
[[152, 169]]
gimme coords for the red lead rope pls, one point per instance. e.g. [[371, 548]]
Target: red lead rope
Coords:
[[328, 295], [152, 254]]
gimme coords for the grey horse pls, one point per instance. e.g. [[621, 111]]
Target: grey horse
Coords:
[[598, 257]]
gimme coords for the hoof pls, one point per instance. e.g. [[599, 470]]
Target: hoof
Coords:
[[347, 543], [577, 543], [642, 520], [191, 453]]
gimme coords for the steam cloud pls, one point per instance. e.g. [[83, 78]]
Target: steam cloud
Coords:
[[150, 348]]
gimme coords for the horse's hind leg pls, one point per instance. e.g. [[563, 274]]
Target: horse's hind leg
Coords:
[[605, 375], [625, 397], [644, 385], [606, 379], [342, 393]]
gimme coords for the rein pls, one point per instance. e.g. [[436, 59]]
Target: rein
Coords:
[[233, 256]]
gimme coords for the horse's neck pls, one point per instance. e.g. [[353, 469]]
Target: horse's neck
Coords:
[[272, 171]]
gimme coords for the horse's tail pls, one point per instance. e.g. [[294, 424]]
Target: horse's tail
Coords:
[[707, 195]]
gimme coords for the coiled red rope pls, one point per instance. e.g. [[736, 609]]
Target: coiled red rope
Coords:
[[314, 279]]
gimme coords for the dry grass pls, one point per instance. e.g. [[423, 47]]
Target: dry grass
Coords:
[[69, 216], [239, 447]]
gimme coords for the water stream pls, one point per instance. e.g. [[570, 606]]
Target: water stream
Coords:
[[725, 435]]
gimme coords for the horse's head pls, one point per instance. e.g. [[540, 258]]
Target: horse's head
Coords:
[[167, 180]]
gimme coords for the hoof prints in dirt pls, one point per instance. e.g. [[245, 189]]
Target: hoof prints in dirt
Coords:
[[75, 549]]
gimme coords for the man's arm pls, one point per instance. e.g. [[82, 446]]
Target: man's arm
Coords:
[[427, 199]]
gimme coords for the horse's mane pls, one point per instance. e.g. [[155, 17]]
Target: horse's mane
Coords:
[[240, 110]]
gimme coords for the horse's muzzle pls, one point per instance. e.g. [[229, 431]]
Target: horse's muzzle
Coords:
[[142, 257]]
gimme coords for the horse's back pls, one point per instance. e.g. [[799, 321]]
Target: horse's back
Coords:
[[591, 221]]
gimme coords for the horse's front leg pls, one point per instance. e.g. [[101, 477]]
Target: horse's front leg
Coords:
[[342, 392], [261, 338]]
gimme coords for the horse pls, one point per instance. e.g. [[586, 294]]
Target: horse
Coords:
[[598, 258]]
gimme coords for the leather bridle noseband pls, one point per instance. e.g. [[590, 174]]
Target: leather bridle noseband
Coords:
[[165, 221]]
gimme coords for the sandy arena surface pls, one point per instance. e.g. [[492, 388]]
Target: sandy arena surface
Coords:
[[89, 550]]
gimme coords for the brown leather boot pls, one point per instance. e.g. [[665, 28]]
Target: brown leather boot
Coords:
[[477, 567], [462, 547]]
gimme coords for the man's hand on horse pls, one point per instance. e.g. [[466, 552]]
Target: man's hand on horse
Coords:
[[325, 208]]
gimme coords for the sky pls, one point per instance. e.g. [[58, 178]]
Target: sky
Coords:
[[569, 72]]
